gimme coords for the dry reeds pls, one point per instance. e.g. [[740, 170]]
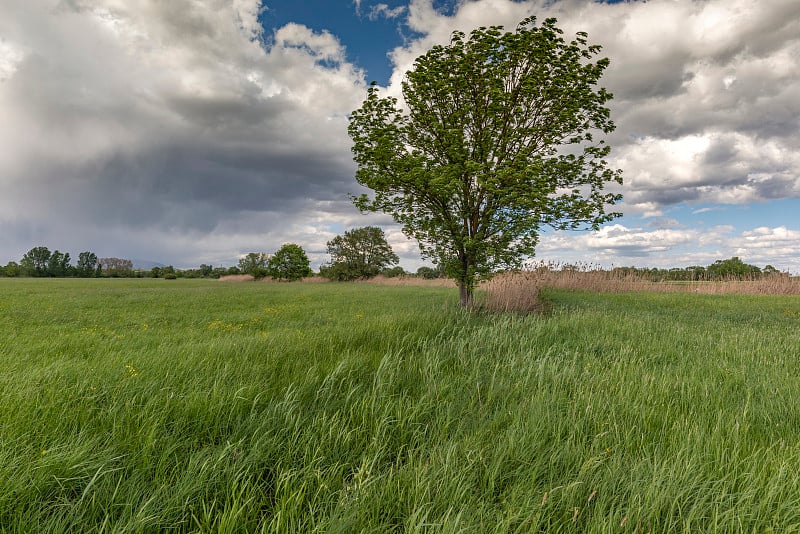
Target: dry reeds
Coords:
[[610, 281], [315, 279], [516, 291], [519, 290], [410, 281], [236, 278]]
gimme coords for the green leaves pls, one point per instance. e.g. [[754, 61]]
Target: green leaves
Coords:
[[496, 126], [289, 263], [359, 253]]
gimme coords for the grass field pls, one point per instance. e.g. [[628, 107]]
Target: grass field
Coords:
[[178, 406]]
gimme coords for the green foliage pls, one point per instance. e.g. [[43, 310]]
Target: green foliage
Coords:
[[498, 141], [393, 272], [254, 264], [116, 267], [359, 253], [289, 263], [218, 271], [731, 268], [430, 273], [87, 265], [58, 264], [35, 262], [206, 270]]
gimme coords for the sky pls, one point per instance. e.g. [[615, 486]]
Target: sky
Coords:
[[195, 131]]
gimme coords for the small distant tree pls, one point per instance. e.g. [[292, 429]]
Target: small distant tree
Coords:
[[205, 270], [771, 271], [731, 268], [116, 267], [359, 253], [35, 261], [87, 264], [58, 264], [393, 272], [255, 264], [289, 263], [429, 273], [12, 269]]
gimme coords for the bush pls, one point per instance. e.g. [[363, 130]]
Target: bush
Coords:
[[289, 263], [393, 272]]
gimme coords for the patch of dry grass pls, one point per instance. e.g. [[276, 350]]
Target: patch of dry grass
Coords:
[[410, 281], [236, 278], [613, 282]]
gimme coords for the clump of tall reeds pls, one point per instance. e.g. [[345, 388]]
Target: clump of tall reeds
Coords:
[[513, 291]]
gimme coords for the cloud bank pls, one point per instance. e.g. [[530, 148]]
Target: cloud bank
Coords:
[[182, 132]]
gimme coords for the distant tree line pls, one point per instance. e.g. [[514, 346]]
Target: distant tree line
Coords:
[[40, 262], [357, 254], [731, 269]]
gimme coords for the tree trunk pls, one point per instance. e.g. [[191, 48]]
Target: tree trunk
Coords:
[[466, 295]]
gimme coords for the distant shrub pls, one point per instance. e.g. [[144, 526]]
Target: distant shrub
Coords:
[[393, 272]]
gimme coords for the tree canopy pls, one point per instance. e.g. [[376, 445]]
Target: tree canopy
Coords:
[[254, 264], [495, 140], [359, 253], [289, 263], [35, 261]]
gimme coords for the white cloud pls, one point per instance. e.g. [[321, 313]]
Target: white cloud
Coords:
[[384, 11], [10, 57], [705, 92], [674, 247], [168, 119], [180, 128]]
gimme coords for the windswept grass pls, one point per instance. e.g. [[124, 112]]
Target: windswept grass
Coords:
[[147, 406]]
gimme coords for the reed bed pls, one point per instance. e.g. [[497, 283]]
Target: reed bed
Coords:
[[415, 281], [519, 290]]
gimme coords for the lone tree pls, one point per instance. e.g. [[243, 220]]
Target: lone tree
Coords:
[[732, 268], [497, 141], [254, 264], [359, 253], [289, 263]]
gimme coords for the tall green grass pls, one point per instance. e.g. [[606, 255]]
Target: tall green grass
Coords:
[[198, 406]]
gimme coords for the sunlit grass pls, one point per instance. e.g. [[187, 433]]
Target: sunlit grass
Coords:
[[151, 405]]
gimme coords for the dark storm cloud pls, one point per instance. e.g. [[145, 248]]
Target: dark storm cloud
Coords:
[[169, 116]]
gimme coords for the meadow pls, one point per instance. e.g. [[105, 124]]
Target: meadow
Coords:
[[203, 406]]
